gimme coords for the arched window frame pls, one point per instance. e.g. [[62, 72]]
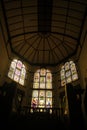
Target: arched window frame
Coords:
[[17, 71], [42, 89], [68, 73]]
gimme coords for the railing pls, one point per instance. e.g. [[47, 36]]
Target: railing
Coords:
[[53, 111]]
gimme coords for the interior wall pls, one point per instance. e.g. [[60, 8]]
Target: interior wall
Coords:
[[83, 68], [82, 54], [83, 63], [4, 47], [3, 57]]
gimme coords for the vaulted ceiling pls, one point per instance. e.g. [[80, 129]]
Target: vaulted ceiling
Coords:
[[44, 32]]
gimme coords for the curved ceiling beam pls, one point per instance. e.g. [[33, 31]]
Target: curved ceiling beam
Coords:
[[41, 32]]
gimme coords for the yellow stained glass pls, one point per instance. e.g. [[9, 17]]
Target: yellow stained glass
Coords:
[[35, 85], [49, 85]]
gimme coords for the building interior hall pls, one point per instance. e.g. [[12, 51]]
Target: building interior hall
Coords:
[[43, 64]]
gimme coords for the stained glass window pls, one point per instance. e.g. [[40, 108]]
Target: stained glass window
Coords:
[[42, 89], [68, 73], [17, 71]]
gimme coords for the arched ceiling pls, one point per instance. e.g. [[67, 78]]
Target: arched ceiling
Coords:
[[44, 32]]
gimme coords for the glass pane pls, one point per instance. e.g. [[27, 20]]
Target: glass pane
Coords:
[[62, 72], [71, 62], [73, 72], [19, 64], [68, 73], [17, 72], [35, 93], [48, 93], [36, 77], [66, 65], [42, 79], [49, 85], [41, 98], [42, 85], [48, 102], [62, 67], [43, 72], [42, 93], [11, 73], [62, 77], [23, 66], [22, 77], [13, 65], [68, 80], [15, 60], [48, 77], [72, 66], [34, 102], [16, 78], [23, 71], [41, 102], [74, 77], [36, 85], [21, 81]]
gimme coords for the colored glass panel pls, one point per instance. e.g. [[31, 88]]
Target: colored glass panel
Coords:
[[67, 66], [68, 80], [43, 72], [49, 102], [48, 93], [42, 85], [17, 71], [11, 73], [36, 77], [68, 73], [21, 81], [42, 82], [42, 79], [16, 78], [13, 65], [19, 64], [35, 93], [74, 77], [48, 77], [35, 85], [49, 85]]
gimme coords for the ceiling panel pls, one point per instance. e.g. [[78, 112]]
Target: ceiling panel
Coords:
[[44, 32]]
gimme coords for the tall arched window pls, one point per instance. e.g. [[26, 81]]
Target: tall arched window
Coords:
[[42, 89], [68, 73], [17, 71]]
